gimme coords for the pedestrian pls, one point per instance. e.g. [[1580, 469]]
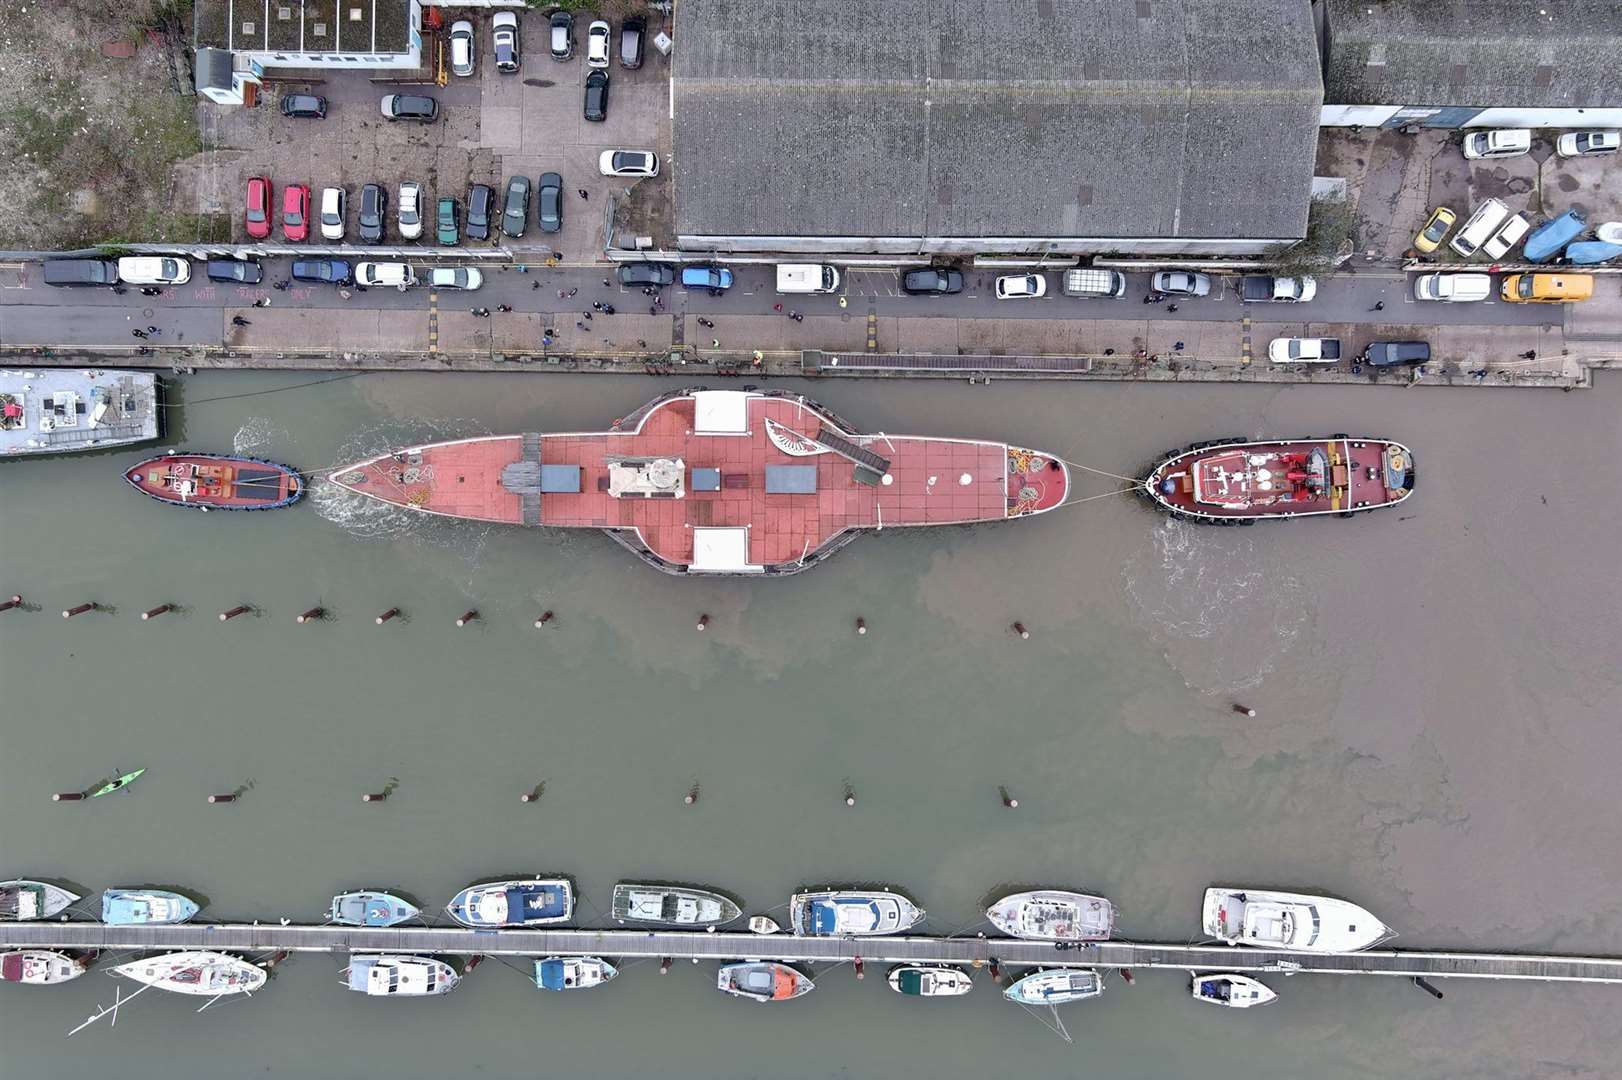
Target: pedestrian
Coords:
[[578, 325], [264, 301], [587, 314], [238, 320], [653, 309], [573, 291], [537, 285], [119, 290], [138, 332], [1379, 305], [360, 288], [151, 290], [153, 330], [608, 309], [1109, 352], [1529, 354], [1149, 298], [798, 317], [1178, 347], [715, 343], [1170, 308], [641, 344], [280, 286], [777, 307], [607, 284], [584, 194], [596, 305], [504, 307]]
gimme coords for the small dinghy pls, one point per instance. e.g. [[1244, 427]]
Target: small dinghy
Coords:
[[145, 907], [1054, 915], [763, 924], [930, 980], [217, 482], [369, 907], [522, 902], [572, 972], [39, 967], [1059, 986], [22, 900], [400, 976], [1233, 991], [763, 980], [671, 905], [201, 973], [851, 914]]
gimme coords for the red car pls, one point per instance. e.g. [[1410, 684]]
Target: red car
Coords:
[[296, 212], [257, 215]]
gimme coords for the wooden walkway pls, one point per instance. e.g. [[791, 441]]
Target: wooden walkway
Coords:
[[678, 945]]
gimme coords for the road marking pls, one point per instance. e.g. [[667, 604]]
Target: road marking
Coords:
[[1245, 355], [433, 320], [872, 330], [12, 276]]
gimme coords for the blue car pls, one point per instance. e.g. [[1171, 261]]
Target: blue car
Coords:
[[330, 271], [717, 279]]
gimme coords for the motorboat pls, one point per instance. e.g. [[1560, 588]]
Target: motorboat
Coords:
[[1053, 915], [671, 905], [1289, 921], [39, 967], [399, 976], [929, 980], [763, 980], [851, 914], [521, 902], [572, 972], [370, 907], [22, 900], [1232, 991], [201, 973], [145, 907], [763, 924], [1056, 986]]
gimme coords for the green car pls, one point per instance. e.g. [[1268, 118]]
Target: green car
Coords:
[[449, 234]]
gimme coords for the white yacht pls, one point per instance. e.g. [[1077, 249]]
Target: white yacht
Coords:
[[851, 914], [1231, 991], [1053, 915], [1290, 921], [400, 976]]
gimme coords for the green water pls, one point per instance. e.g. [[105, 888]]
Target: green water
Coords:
[[1436, 737]]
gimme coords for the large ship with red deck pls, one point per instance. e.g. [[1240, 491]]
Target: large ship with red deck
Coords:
[[216, 482], [719, 481], [1229, 481]]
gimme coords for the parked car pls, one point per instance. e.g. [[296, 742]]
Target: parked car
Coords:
[[646, 273], [1516, 288], [717, 279], [1585, 143], [462, 48], [549, 202], [333, 211], [1429, 238], [256, 209], [455, 277], [1093, 283], [448, 231], [504, 43], [480, 199], [633, 38], [153, 270], [409, 215], [515, 208], [235, 271], [598, 35], [1267, 288], [418, 107], [628, 163], [597, 95], [296, 213], [386, 275], [374, 211], [1389, 353], [1181, 283], [69, 273], [562, 26], [931, 281], [1498, 143], [1508, 235], [326, 271], [1021, 286], [1453, 288], [1549, 239], [1297, 350], [304, 106]]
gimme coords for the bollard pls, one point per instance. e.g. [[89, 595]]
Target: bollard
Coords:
[[222, 798], [664, 965], [80, 610], [527, 797], [692, 795], [546, 617], [861, 626], [850, 794], [67, 796], [1007, 800], [856, 962], [311, 615], [1126, 973], [376, 796], [387, 615], [1243, 710], [703, 621], [1425, 985], [1024, 634], [155, 612], [11, 603], [241, 609], [467, 618]]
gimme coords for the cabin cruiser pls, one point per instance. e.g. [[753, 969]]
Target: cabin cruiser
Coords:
[[400, 976], [1267, 919], [1053, 915], [523, 902], [851, 914]]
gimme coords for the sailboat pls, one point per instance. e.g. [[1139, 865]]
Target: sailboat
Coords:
[[1058, 986], [201, 973]]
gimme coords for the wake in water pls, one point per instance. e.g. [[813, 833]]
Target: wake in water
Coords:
[[1222, 613], [258, 436]]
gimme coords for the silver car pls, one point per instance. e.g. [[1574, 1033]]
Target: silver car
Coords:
[[409, 214], [462, 48], [1181, 283]]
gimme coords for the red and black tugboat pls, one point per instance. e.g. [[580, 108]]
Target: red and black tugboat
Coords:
[[217, 482], [1230, 481]]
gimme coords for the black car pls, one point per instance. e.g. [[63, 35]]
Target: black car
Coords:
[[515, 211], [304, 106], [597, 95], [424, 110], [238, 271], [480, 198], [1387, 353], [647, 273], [931, 281], [632, 36], [549, 204], [329, 271], [374, 208]]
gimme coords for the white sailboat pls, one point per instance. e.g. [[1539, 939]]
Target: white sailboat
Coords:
[[200, 973]]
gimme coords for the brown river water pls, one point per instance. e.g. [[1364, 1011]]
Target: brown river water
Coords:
[[1438, 691]]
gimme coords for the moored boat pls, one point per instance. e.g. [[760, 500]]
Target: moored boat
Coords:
[[1232, 991], [851, 913], [763, 980], [1268, 919], [1057, 986], [572, 972], [39, 967], [1232, 480], [22, 900], [1054, 915], [371, 907], [61, 410], [202, 973], [671, 905], [929, 980], [216, 482], [399, 976], [763, 924], [520, 902], [145, 907]]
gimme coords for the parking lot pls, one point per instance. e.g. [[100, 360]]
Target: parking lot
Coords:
[[491, 126]]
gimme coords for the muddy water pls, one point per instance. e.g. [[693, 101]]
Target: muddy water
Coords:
[[1437, 690]]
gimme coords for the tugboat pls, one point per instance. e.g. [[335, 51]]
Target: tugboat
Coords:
[[1058, 986], [1054, 915], [1231, 991], [217, 482], [400, 976], [523, 902], [145, 907], [763, 981], [39, 967], [1268, 919], [572, 972], [1230, 481], [851, 914]]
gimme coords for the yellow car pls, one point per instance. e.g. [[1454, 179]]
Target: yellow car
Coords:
[[1431, 236]]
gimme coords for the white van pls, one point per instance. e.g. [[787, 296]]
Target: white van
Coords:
[[1095, 283], [806, 278], [1506, 237], [385, 275], [153, 270], [1482, 224]]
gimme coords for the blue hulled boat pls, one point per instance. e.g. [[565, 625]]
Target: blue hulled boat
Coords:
[[523, 902], [370, 907], [145, 907], [573, 972]]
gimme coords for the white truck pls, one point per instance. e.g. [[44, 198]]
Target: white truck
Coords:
[[806, 278]]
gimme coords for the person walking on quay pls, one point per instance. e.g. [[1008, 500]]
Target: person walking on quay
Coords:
[[584, 194], [504, 307], [481, 312], [608, 309], [1379, 305], [238, 320], [138, 332]]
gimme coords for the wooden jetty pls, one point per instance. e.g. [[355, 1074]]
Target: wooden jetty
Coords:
[[682, 945]]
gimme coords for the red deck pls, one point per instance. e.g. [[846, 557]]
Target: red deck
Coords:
[[928, 481], [1287, 478], [209, 481]]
